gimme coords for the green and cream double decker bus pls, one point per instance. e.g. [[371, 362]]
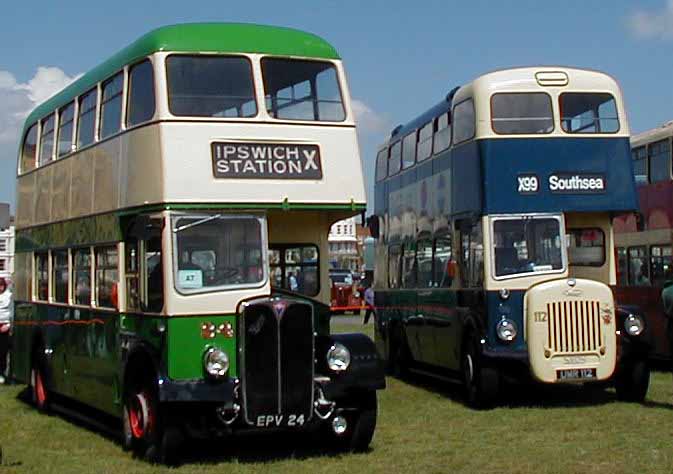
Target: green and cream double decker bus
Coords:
[[173, 207]]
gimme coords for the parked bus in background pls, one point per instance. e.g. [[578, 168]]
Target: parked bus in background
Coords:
[[164, 198], [643, 239], [493, 214], [345, 291]]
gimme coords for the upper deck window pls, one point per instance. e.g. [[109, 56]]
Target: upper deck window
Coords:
[[141, 94], [29, 149], [584, 112], [87, 118], [302, 90], [640, 164], [210, 86], [47, 139], [442, 138], [382, 164], [659, 154], [409, 150], [111, 106], [463, 121], [424, 149], [395, 160], [66, 122], [521, 113]]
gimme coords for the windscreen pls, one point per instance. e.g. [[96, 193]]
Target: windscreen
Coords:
[[302, 90], [213, 252], [527, 245], [210, 86], [522, 113]]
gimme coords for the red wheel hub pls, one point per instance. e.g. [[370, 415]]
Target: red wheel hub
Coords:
[[40, 392], [141, 416]]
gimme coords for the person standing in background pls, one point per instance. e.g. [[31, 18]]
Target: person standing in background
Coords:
[[369, 302], [6, 320]]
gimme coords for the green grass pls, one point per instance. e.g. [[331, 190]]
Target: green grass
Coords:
[[423, 428]]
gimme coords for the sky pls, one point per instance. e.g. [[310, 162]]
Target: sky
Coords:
[[401, 57]]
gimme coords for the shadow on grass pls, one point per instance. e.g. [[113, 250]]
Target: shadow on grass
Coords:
[[241, 448], [528, 394]]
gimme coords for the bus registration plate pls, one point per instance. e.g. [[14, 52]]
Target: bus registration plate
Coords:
[[277, 421], [576, 374]]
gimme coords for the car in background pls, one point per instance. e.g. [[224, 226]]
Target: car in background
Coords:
[[344, 292]]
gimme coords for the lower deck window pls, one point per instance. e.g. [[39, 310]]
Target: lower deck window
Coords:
[[81, 275], [107, 275], [638, 267], [586, 247], [661, 264], [42, 276], [60, 265], [295, 268]]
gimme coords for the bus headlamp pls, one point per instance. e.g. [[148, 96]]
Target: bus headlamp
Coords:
[[216, 363], [506, 330], [338, 357], [634, 325]]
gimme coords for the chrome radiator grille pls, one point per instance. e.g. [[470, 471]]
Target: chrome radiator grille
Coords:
[[574, 327]]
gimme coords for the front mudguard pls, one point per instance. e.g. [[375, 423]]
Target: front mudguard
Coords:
[[365, 372]]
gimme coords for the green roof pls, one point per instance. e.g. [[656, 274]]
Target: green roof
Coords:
[[196, 38]]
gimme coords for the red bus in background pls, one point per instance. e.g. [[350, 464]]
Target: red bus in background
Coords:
[[643, 241], [345, 293]]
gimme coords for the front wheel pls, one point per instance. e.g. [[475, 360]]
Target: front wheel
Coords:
[[632, 381], [358, 425], [145, 431], [481, 382]]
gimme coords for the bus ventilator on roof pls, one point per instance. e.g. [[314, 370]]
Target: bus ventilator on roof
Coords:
[[551, 78]]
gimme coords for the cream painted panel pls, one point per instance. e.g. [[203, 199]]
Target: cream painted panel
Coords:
[[141, 167], [81, 189], [60, 190], [25, 196], [106, 176], [189, 173], [43, 198]]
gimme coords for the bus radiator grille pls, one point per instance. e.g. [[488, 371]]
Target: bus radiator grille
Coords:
[[574, 327], [277, 360]]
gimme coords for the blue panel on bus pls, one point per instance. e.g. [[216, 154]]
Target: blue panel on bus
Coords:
[[557, 174], [512, 309], [466, 180]]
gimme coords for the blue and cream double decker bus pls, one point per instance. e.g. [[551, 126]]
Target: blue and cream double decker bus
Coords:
[[164, 201], [495, 245]]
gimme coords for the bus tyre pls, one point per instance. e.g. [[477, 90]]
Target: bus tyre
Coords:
[[481, 382], [38, 387], [361, 424], [144, 429], [632, 381]]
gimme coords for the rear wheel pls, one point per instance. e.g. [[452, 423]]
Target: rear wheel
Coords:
[[481, 382], [360, 425], [632, 381], [39, 392]]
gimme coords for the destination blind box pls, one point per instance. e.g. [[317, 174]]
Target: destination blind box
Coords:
[[266, 160]]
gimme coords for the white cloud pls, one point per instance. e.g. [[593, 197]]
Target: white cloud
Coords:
[[367, 120], [18, 99], [653, 24]]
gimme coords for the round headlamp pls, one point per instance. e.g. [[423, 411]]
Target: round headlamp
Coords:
[[506, 330], [216, 363], [634, 325], [338, 357]]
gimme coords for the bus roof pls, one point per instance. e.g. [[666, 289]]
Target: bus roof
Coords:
[[195, 38], [655, 134]]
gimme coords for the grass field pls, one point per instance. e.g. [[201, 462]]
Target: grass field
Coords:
[[423, 428]]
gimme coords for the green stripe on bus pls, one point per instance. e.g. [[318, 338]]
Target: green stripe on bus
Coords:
[[197, 38]]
